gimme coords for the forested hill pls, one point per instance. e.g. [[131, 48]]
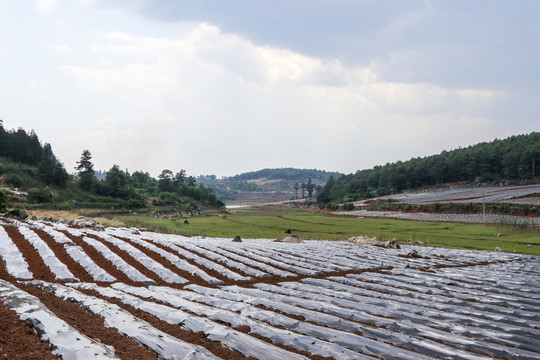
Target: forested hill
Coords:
[[286, 174], [32, 177], [26, 148], [514, 158]]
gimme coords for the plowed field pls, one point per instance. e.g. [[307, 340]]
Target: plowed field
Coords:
[[120, 293]]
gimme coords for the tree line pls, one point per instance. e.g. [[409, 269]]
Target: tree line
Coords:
[[286, 174], [22, 147], [31, 166], [169, 189], [514, 158]]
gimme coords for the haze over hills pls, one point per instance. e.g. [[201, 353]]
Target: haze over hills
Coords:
[[32, 167], [268, 185]]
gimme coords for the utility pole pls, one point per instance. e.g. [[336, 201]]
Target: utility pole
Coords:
[[484, 205]]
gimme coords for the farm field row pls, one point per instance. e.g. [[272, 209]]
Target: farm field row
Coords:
[[271, 221], [462, 218], [120, 292], [491, 194]]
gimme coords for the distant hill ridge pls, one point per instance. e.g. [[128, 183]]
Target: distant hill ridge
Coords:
[[267, 185], [514, 159], [287, 174]]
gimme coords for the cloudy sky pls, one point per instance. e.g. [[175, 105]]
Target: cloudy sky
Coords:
[[223, 87]]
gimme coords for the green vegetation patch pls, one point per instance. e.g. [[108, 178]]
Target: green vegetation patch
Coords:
[[271, 223]]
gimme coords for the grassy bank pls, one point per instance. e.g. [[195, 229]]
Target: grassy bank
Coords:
[[271, 223]]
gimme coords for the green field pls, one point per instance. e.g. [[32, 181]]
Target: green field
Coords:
[[271, 223]]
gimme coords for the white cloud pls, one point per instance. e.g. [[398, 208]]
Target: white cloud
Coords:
[[59, 49], [45, 5], [217, 95]]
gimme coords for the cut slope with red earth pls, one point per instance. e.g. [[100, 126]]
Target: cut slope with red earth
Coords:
[[120, 293]]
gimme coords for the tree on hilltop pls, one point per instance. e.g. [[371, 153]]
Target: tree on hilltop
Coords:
[[310, 187], [117, 180], [85, 168]]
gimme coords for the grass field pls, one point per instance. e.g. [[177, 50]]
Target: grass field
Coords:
[[271, 222]]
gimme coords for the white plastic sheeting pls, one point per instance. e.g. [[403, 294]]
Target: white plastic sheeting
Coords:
[[198, 259], [58, 268], [248, 252], [56, 235], [333, 328], [244, 259], [226, 261], [230, 338], [66, 341], [78, 254], [175, 260], [165, 345], [411, 321], [298, 334], [117, 261], [161, 271], [15, 263]]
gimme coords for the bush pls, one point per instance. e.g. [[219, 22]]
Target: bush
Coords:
[[167, 199], [2, 169], [332, 206], [40, 195], [14, 180], [4, 200], [348, 206]]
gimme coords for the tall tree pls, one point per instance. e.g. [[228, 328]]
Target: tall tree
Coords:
[[310, 187], [61, 176], [4, 200], [86, 171], [296, 187], [303, 187], [117, 180], [165, 181]]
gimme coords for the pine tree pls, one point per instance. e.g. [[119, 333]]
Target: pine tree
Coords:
[[86, 170]]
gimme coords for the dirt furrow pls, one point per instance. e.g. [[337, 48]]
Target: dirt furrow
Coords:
[[199, 338], [92, 326], [101, 261], [210, 272], [18, 339], [61, 254], [131, 261], [226, 279], [36, 265], [193, 279]]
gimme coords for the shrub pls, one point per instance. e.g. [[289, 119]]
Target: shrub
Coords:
[[332, 206], [167, 199], [2, 169], [14, 180], [348, 206], [40, 195], [4, 200]]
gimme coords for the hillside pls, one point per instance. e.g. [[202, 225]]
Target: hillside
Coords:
[[512, 161], [268, 185], [31, 176]]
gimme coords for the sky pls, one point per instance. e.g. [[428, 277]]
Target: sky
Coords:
[[224, 87]]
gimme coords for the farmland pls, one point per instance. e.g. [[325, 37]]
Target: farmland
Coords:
[[488, 194], [126, 293], [270, 222]]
